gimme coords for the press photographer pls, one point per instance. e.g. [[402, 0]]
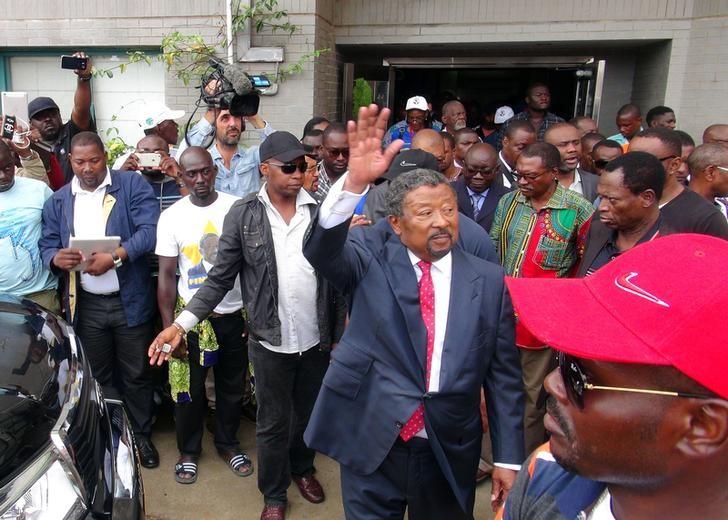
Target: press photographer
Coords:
[[232, 100]]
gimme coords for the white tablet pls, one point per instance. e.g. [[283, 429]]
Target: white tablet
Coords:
[[89, 246]]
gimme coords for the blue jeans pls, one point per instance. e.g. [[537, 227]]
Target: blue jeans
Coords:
[[286, 387]]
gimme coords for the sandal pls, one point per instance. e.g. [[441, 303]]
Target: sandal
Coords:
[[188, 467], [241, 465]]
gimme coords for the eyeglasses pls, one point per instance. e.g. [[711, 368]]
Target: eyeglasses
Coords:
[[519, 176], [289, 168], [722, 168], [601, 163], [667, 158], [484, 172], [577, 382], [335, 152]]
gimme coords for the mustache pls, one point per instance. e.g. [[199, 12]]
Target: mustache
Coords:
[[553, 410], [440, 232]]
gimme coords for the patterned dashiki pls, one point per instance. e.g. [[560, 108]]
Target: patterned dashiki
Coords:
[[540, 244]]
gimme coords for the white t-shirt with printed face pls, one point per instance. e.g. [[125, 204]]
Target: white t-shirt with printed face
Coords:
[[191, 233]]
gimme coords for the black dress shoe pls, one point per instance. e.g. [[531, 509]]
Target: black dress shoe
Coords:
[[148, 454]]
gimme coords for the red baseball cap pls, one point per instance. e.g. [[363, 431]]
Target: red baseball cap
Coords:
[[663, 302]]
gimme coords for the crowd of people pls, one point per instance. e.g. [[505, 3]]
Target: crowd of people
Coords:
[[361, 280]]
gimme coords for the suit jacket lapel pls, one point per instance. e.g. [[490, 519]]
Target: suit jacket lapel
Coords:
[[465, 205], [463, 292], [403, 282]]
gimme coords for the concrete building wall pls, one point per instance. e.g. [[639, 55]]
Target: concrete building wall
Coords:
[[684, 66], [703, 88], [618, 74]]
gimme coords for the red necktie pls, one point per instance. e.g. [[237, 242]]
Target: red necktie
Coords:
[[427, 307]]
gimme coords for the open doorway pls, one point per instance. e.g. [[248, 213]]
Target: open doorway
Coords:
[[486, 88]]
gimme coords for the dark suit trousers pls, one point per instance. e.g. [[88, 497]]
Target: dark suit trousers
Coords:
[[117, 354], [409, 478], [286, 387], [229, 383]]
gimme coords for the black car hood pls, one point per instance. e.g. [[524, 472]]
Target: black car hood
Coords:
[[35, 367]]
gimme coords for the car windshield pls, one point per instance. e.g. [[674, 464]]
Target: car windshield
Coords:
[[35, 369]]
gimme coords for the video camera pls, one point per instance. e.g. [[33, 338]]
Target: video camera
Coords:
[[234, 89]]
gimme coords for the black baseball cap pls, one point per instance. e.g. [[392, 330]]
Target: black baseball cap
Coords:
[[407, 160], [282, 146], [40, 104]]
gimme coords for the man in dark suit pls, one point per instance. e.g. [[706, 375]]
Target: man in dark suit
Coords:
[[629, 214], [567, 139], [430, 326], [477, 193], [516, 136]]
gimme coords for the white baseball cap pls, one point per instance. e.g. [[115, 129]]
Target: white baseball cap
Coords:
[[503, 114], [417, 103], [153, 114]]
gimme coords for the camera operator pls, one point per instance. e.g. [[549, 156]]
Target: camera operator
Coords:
[[50, 137], [237, 167]]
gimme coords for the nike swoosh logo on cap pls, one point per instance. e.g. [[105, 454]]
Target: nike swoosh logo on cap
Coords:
[[625, 283], [405, 163]]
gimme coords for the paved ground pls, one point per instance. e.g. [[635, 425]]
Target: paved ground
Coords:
[[219, 494]]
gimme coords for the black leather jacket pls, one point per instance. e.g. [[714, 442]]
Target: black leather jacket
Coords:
[[246, 249]]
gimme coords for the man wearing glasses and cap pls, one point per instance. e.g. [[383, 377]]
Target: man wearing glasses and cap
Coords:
[[418, 117], [638, 408], [293, 317]]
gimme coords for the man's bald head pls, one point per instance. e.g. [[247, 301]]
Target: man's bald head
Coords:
[[717, 134], [431, 142], [481, 152], [480, 167], [706, 155], [194, 156], [708, 175]]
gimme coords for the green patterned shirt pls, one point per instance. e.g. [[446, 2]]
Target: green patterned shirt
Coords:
[[545, 243]]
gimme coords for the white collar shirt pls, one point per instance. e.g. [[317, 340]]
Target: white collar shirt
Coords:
[[506, 182], [88, 222], [577, 186], [297, 285], [441, 274]]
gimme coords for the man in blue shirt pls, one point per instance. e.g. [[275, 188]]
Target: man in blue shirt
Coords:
[[237, 167], [22, 272], [418, 117]]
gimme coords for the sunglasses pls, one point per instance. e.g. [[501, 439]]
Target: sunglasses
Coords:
[[577, 382], [518, 176], [601, 163], [289, 168], [335, 152], [484, 172]]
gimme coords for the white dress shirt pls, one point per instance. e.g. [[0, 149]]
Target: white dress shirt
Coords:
[[506, 182], [577, 185], [88, 222], [297, 286], [338, 207]]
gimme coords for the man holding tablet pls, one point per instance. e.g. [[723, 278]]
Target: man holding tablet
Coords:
[[110, 300]]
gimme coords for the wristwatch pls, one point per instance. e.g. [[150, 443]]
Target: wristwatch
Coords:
[[117, 261]]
